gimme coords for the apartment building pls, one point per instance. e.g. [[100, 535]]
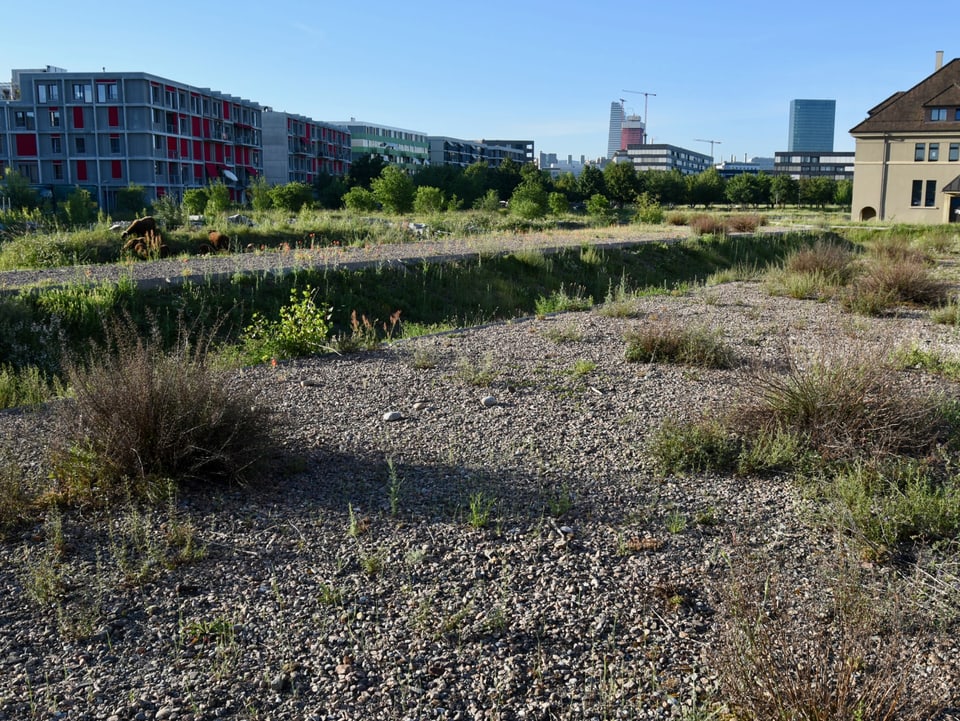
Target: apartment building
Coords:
[[408, 149], [298, 148], [106, 130], [454, 151], [907, 161]]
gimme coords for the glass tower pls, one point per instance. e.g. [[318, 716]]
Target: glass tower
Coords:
[[811, 125]]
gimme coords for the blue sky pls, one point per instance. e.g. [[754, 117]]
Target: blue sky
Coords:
[[525, 69]]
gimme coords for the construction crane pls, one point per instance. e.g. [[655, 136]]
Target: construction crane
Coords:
[[645, 97], [712, 143]]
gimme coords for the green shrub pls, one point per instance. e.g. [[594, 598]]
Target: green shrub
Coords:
[[27, 387], [302, 329], [144, 413], [703, 445]]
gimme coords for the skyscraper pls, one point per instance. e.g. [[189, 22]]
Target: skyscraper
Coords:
[[811, 125], [616, 122]]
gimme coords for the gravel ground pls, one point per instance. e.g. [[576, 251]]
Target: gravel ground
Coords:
[[500, 551]]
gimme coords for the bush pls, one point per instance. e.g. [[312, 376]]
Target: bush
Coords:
[[702, 224], [649, 211], [144, 414], [745, 223], [848, 666], [843, 408], [360, 200], [887, 283], [830, 259], [428, 200], [302, 329], [705, 445], [662, 342]]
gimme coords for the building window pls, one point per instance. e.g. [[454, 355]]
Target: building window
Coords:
[[115, 146], [24, 119], [54, 118], [930, 197], [158, 142], [82, 93], [937, 114], [80, 144], [916, 193], [954, 152], [56, 144], [106, 91], [919, 151], [58, 171], [934, 153]]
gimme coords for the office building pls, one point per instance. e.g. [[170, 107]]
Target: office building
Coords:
[[661, 156], [616, 126], [811, 125]]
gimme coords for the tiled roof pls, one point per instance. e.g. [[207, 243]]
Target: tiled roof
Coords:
[[908, 111]]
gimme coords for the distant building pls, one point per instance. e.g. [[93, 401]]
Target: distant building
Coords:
[[633, 132], [408, 149], [836, 165], [298, 149], [454, 151], [616, 123], [811, 125], [557, 167], [731, 168], [658, 156], [520, 151], [103, 131], [908, 153]]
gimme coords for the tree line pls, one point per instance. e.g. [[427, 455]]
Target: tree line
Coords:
[[373, 185]]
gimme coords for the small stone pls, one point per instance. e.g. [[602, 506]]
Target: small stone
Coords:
[[419, 405], [488, 401], [391, 416]]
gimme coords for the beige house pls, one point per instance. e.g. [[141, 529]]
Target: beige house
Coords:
[[907, 165]]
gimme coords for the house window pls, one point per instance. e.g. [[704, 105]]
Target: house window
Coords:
[[56, 144], [158, 142], [115, 145], [919, 151], [80, 144], [54, 118], [82, 93], [58, 171], [954, 152], [934, 153], [930, 197], [937, 114], [916, 193]]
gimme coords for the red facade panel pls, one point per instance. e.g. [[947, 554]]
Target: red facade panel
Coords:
[[81, 170], [226, 111], [115, 169], [113, 117], [27, 144], [185, 148], [78, 117], [195, 122]]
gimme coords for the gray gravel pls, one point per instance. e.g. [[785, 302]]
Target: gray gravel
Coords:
[[361, 584]]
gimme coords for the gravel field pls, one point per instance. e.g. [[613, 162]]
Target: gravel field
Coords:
[[499, 551]]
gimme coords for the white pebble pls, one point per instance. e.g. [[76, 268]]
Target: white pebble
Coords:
[[392, 416], [488, 401]]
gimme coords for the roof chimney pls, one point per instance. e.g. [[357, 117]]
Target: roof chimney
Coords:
[[939, 59]]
